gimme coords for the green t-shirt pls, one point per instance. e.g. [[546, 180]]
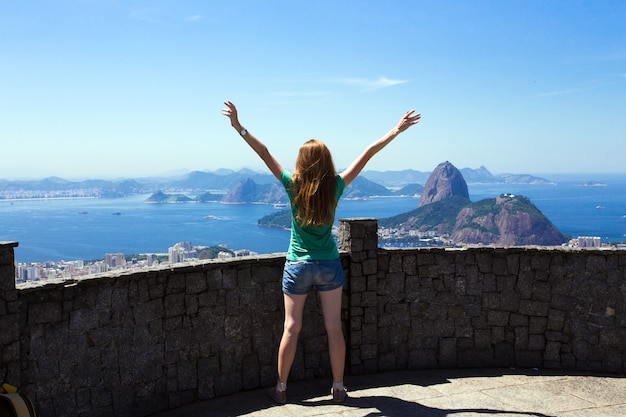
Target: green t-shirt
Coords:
[[310, 243]]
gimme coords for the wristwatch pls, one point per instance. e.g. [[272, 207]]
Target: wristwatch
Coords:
[[243, 132]]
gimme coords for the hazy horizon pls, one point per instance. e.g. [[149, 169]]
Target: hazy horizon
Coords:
[[262, 170]]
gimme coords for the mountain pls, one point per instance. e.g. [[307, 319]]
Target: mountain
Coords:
[[222, 180], [507, 220], [445, 181], [361, 187], [445, 210], [280, 219], [437, 218], [394, 179], [248, 191], [411, 190], [58, 187], [161, 197], [208, 197]]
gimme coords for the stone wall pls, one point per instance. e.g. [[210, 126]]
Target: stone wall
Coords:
[[136, 343], [533, 307], [9, 316]]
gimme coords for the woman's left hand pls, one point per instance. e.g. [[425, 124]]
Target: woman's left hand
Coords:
[[231, 112]]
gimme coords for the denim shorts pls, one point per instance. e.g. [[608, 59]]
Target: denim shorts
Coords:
[[299, 277]]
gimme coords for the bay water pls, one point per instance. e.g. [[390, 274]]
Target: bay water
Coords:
[[86, 229]]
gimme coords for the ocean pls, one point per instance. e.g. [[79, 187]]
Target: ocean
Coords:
[[86, 229]]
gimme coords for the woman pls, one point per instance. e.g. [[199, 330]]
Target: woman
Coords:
[[314, 188]]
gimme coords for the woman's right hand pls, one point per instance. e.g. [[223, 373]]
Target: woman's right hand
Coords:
[[409, 119]]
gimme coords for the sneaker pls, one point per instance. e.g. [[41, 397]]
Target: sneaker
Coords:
[[279, 397], [339, 395]]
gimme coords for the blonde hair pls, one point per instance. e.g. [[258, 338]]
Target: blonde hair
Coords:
[[314, 185]]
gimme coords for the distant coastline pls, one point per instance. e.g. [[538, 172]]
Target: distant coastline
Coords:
[[592, 184]]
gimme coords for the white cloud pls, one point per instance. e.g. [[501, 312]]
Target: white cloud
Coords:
[[194, 18], [366, 84], [301, 94], [147, 15], [557, 93]]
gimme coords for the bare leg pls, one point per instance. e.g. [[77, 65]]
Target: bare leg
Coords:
[[294, 307], [331, 307]]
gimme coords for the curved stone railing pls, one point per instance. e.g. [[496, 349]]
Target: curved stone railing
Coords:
[[132, 344]]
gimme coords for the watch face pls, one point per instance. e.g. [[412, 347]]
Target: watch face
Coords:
[[244, 132]]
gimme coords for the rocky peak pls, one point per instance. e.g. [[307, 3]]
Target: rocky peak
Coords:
[[445, 181]]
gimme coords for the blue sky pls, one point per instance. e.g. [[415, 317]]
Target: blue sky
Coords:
[[105, 88]]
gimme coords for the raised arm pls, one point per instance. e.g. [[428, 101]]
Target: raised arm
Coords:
[[259, 147], [408, 120]]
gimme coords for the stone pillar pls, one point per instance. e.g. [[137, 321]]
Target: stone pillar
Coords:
[[9, 317], [359, 237]]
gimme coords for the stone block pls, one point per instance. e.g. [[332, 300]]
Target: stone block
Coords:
[[498, 335], [463, 328], [542, 291], [47, 312], [613, 338], [540, 262], [356, 273], [464, 343], [447, 353], [437, 311], [509, 301], [195, 283], [395, 263], [563, 302], [500, 266], [482, 358], [521, 338], [595, 264], [552, 352], [528, 359], [456, 311], [491, 300], [537, 325], [368, 351], [536, 342], [525, 284], [370, 315], [506, 283], [422, 359], [10, 329], [497, 318], [370, 333], [175, 283], [512, 263], [368, 299], [145, 312], [534, 308], [395, 284], [370, 267], [489, 283], [409, 264], [386, 362], [482, 338]]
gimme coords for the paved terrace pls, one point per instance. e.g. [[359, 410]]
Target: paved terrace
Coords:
[[435, 393]]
